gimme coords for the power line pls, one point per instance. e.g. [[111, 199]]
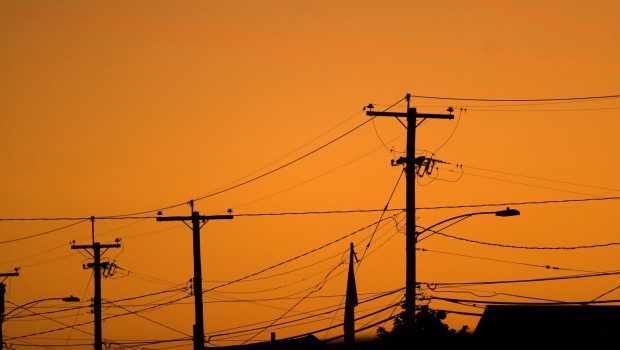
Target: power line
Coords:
[[317, 288], [607, 292], [265, 299], [284, 165], [493, 294], [294, 160], [297, 293], [35, 254], [590, 246], [473, 106], [311, 212], [601, 97], [547, 267], [150, 342], [105, 318], [297, 256], [129, 343], [180, 289], [488, 302], [341, 324], [384, 308], [47, 219], [519, 203], [352, 211], [278, 327], [77, 313], [323, 212], [283, 286], [385, 209], [363, 328], [184, 297], [275, 324], [49, 346], [254, 300], [46, 312], [520, 183], [458, 121], [293, 151], [147, 278], [332, 308], [292, 270], [433, 285], [542, 178], [151, 320], [255, 178], [314, 177], [42, 233], [400, 303], [547, 110]]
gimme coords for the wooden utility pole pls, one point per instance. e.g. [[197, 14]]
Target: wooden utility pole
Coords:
[[96, 266], [2, 292], [197, 219], [410, 162]]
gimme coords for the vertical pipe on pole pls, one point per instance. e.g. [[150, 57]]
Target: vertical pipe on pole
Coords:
[[92, 228]]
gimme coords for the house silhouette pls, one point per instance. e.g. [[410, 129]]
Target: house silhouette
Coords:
[[549, 327], [309, 342]]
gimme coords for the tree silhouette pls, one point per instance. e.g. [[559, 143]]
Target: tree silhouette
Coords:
[[427, 328]]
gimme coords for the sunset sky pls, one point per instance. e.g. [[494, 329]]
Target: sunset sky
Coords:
[[119, 107]]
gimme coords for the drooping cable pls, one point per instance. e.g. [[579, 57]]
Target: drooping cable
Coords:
[[580, 98], [514, 246], [42, 233]]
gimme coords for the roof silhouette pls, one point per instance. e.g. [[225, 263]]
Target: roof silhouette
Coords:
[[539, 326]]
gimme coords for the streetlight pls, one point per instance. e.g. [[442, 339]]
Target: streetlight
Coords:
[[502, 213], [69, 299]]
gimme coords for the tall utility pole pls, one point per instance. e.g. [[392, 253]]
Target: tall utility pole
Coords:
[[2, 292], [410, 162], [197, 222], [96, 266]]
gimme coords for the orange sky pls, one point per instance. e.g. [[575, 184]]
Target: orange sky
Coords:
[[118, 107]]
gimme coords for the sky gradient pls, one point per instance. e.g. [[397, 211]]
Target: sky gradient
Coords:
[[119, 107]]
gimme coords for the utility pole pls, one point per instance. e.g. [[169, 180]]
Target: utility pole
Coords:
[[410, 162], [96, 266], [197, 222], [2, 292], [350, 304]]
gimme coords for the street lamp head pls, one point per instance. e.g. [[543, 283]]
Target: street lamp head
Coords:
[[508, 212], [71, 299]]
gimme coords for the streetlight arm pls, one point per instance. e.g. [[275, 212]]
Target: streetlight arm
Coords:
[[502, 213], [454, 218], [69, 299]]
